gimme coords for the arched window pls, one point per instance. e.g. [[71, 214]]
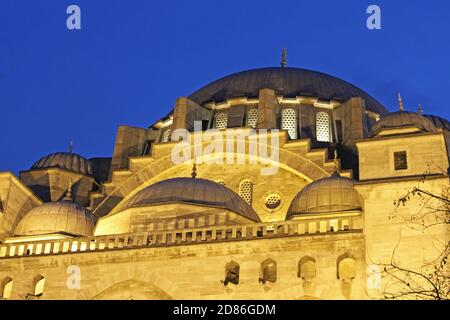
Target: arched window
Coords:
[[232, 273], [346, 267], [307, 268], [346, 272], [39, 284], [246, 191], [323, 132], [6, 288], [221, 121], [268, 271], [289, 122], [166, 135], [252, 118]]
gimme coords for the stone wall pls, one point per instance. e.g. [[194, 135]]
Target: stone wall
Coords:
[[197, 271]]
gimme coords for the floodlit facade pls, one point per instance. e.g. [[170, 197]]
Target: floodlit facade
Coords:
[[140, 225]]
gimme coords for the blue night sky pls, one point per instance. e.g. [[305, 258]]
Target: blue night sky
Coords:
[[132, 59]]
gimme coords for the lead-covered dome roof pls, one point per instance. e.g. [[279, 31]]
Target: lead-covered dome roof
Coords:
[[193, 191], [401, 119], [331, 194], [63, 216], [288, 82], [65, 160], [438, 122]]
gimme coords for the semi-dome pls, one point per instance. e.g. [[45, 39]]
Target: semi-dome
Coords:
[[331, 194], [63, 216], [193, 191], [288, 82], [401, 119], [65, 160]]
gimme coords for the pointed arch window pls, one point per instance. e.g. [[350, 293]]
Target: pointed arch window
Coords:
[[232, 273], [6, 288], [289, 122], [307, 268], [221, 121], [268, 271], [252, 118], [246, 191], [39, 285], [323, 132]]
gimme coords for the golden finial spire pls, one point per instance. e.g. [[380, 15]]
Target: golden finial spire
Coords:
[[68, 196], [400, 103], [420, 109], [283, 58], [194, 171], [71, 147], [336, 163]]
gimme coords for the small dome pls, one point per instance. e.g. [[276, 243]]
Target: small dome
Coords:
[[64, 160], [331, 194], [57, 217], [438, 122], [403, 119], [193, 191]]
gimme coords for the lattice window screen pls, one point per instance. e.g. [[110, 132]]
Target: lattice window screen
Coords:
[[246, 191], [252, 118], [221, 120], [273, 201], [323, 127], [166, 135], [289, 122]]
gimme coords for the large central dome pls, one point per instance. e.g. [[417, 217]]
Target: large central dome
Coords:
[[288, 82]]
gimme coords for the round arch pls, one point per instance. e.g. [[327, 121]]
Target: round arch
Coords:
[[152, 173]]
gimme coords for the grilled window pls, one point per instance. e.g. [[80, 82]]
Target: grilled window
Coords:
[[166, 135], [246, 191], [252, 118], [400, 160], [323, 127], [289, 122], [221, 121], [273, 201]]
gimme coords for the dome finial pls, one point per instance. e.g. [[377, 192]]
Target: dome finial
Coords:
[[283, 58], [194, 170], [420, 109], [336, 164], [68, 196], [71, 147], [400, 103]]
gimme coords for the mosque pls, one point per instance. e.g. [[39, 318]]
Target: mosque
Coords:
[[139, 226]]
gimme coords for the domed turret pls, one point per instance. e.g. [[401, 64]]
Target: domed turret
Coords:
[[403, 119], [65, 160], [64, 217], [331, 194]]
